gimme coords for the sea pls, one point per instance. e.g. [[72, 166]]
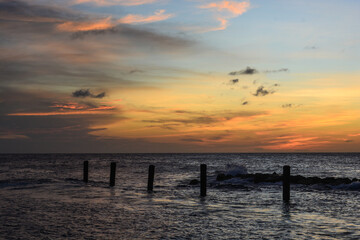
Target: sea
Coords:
[[43, 196]]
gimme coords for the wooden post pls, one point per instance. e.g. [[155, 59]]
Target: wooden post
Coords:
[[203, 180], [151, 178], [112, 174], [286, 183], [86, 171]]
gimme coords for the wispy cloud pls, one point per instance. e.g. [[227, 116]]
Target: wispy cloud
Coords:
[[82, 93], [10, 136], [226, 10], [311, 48], [23, 11], [246, 71], [354, 135], [232, 7], [234, 81], [87, 112], [276, 70], [72, 26], [294, 142], [261, 91], [159, 15], [202, 118], [70, 109], [288, 105], [116, 2]]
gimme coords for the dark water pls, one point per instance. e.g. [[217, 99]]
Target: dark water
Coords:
[[43, 197]]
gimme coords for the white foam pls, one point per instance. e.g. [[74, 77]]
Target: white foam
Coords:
[[234, 170]]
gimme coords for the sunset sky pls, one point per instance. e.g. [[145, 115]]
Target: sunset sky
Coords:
[[179, 76]]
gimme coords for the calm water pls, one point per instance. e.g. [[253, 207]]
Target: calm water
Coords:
[[43, 197]]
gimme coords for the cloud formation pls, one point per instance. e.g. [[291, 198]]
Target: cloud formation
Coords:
[[226, 10], [140, 19], [23, 11], [261, 91], [246, 71], [201, 118], [141, 37], [277, 70], [234, 81], [115, 2], [82, 93], [232, 7], [72, 26], [288, 105]]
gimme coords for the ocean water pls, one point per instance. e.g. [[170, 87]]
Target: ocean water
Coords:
[[42, 196]]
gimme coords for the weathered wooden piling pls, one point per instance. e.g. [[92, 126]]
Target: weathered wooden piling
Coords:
[[286, 183], [150, 185], [112, 174], [203, 180], [86, 171]]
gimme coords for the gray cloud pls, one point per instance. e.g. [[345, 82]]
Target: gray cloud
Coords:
[[234, 81], [138, 35], [82, 93], [261, 91], [246, 71], [277, 70], [204, 118], [291, 105], [310, 47], [21, 10], [288, 105], [191, 140], [135, 71], [43, 133], [195, 120]]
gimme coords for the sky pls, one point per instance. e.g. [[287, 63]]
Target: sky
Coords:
[[140, 76]]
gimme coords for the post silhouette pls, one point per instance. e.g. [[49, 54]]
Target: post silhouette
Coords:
[[286, 183], [203, 180], [150, 185], [86, 171], [112, 174]]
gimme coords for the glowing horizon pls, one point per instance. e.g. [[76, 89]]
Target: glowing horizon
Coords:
[[179, 76]]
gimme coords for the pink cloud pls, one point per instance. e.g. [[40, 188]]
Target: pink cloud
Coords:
[[71, 26], [136, 18], [235, 8], [227, 10]]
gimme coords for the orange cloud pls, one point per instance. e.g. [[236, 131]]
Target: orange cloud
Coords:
[[228, 9], [85, 26], [235, 8], [72, 106], [13, 136], [135, 18], [70, 109], [116, 2], [223, 24], [294, 142], [354, 135]]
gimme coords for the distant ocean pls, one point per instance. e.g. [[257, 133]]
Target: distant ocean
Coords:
[[42, 196]]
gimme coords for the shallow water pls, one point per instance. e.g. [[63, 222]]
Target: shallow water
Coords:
[[43, 197]]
